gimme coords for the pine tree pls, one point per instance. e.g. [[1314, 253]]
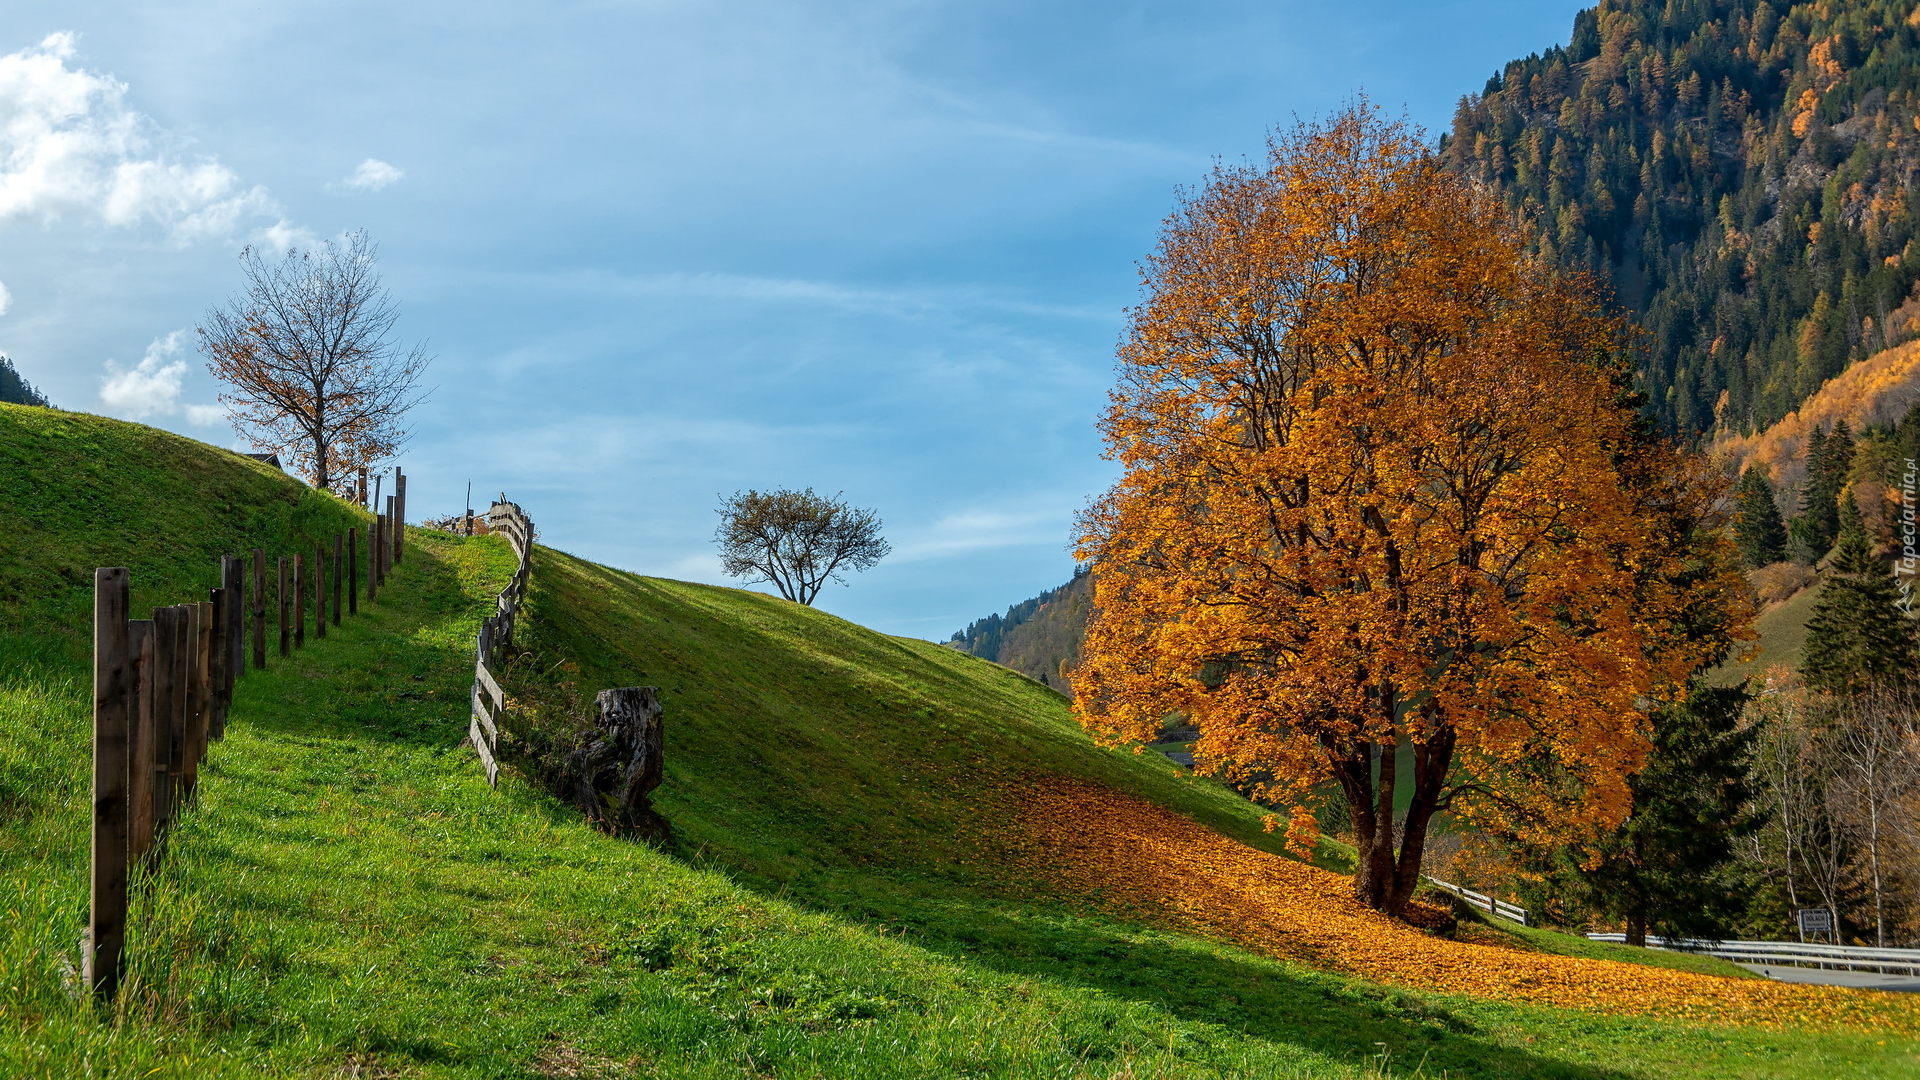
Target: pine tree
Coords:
[[1666, 869], [1758, 530], [1858, 636], [1839, 460], [1819, 502], [15, 389]]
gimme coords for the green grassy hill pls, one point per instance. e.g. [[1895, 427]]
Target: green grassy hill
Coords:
[[349, 898], [1779, 631]]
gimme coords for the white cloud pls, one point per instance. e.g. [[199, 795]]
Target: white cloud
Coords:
[[152, 387], [282, 235], [205, 415], [70, 144], [373, 174], [6, 298]]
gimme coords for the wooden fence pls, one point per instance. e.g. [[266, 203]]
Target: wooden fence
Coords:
[[496, 633], [162, 688], [1490, 905]]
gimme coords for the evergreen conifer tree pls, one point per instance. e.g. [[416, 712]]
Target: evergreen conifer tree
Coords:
[[1906, 437], [1829, 456], [1804, 545], [1858, 636], [1666, 869], [1758, 530], [15, 389]]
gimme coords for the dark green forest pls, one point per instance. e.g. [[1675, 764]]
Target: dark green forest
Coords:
[[14, 389], [1742, 174]]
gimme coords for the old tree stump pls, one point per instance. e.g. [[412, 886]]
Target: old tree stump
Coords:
[[611, 775]]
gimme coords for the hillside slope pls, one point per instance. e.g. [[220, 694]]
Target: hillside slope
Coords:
[[805, 752], [863, 883], [82, 491]]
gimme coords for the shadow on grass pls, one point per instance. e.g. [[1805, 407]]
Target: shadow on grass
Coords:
[[1197, 982], [408, 693]]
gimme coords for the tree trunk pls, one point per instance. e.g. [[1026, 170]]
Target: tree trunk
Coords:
[[1637, 927], [322, 475], [610, 777], [1370, 801], [1431, 760], [1386, 874]]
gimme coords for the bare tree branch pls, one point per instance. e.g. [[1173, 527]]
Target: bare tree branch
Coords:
[[307, 352]]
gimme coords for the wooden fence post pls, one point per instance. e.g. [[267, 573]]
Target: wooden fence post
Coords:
[[217, 662], [360, 490], [233, 576], [107, 912], [140, 741], [373, 556], [320, 593], [299, 600], [182, 703], [166, 673], [259, 609], [194, 735], [389, 544], [286, 609], [353, 570], [339, 552], [184, 787], [399, 512]]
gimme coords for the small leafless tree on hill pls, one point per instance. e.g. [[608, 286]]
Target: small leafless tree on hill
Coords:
[[307, 352]]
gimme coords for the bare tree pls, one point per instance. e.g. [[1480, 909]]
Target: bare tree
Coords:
[[1873, 743], [1798, 781], [796, 540], [307, 352]]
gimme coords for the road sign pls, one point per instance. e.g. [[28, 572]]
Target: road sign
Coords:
[[1815, 920]]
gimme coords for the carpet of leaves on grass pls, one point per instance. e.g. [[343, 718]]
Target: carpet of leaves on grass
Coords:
[[1129, 853]]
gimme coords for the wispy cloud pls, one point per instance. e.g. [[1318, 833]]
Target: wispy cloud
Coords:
[[152, 387], [372, 175], [864, 299], [70, 144], [976, 530]]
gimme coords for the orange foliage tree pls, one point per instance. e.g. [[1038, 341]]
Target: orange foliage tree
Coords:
[[1373, 517]]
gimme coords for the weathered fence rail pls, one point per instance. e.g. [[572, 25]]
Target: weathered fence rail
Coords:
[[162, 688], [1488, 904], [496, 636], [1790, 953]]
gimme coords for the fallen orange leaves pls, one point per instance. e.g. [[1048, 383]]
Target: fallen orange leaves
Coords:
[[1098, 842]]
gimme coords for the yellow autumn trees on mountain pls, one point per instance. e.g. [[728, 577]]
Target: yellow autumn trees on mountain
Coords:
[[1372, 516]]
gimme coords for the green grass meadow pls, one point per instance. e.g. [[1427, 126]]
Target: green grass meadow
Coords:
[[348, 897]]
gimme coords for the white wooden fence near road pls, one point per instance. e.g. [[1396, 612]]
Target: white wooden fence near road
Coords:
[[1488, 904], [1791, 953]]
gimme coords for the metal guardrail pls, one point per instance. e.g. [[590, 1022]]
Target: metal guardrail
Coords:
[[1790, 953], [1484, 902]]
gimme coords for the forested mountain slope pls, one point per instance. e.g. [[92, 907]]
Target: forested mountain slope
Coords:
[[1039, 638], [1743, 172]]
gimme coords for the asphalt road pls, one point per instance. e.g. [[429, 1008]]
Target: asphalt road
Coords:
[[1865, 980]]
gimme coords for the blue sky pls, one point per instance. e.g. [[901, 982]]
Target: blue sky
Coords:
[[668, 250]]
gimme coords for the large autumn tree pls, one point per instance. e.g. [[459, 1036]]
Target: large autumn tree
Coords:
[[1373, 518]]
